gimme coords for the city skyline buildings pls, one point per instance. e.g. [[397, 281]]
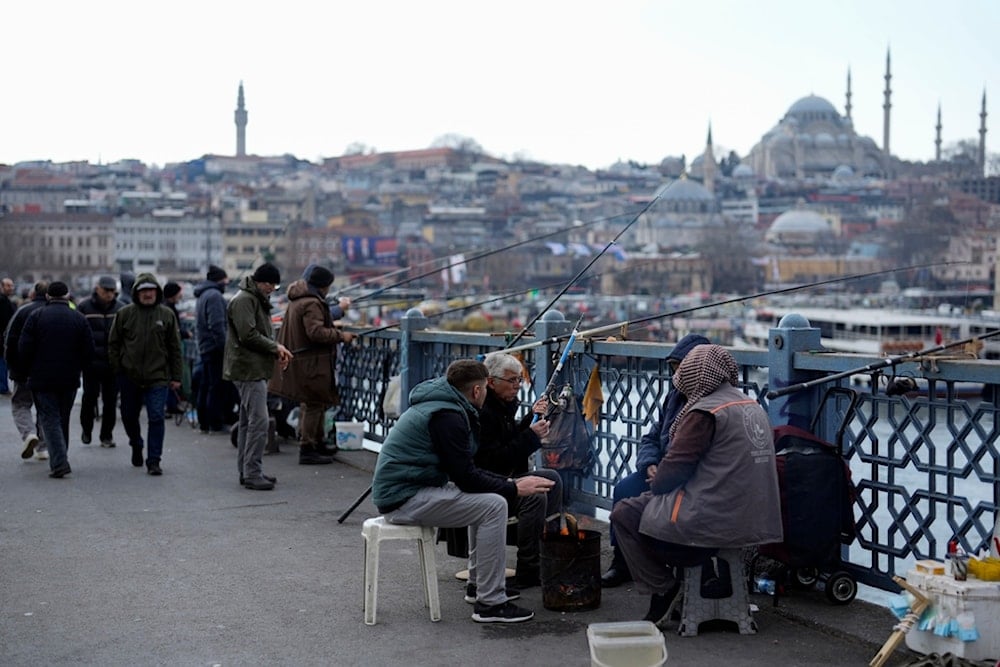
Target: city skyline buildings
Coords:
[[566, 83]]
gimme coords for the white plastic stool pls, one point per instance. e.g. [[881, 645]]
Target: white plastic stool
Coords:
[[735, 608], [374, 531]]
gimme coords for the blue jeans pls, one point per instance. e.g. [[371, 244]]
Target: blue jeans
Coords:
[[154, 399], [54, 408], [4, 385]]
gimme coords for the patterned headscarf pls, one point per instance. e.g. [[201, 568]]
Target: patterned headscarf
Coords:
[[703, 370]]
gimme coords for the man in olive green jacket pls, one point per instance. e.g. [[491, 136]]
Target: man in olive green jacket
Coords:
[[144, 349], [248, 362]]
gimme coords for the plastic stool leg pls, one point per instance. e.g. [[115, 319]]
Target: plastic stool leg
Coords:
[[371, 578], [429, 565]]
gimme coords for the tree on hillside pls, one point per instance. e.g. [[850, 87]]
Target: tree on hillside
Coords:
[[922, 236], [458, 142]]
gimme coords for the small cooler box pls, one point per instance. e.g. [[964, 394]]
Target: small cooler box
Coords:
[[963, 618], [627, 644]]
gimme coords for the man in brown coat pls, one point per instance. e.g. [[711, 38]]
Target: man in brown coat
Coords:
[[308, 331]]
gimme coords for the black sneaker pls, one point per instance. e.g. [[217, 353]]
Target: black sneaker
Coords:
[[153, 468], [137, 456], [85, 438], [470, 593], [507, 612], [258, 484], [266, 478], [61, 471]]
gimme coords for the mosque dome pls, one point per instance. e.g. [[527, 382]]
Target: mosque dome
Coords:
[[811, 107], [843, 173], [685, 190], [824, 139], [799, 221], [743, 171]]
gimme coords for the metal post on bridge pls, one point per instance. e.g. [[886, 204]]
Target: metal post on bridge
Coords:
[[793, 334], [411, 354]]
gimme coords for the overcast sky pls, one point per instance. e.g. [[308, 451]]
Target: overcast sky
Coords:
[[577, 82]]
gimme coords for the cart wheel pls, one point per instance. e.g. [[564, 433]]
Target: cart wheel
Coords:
[[805, 577], [841, 588]]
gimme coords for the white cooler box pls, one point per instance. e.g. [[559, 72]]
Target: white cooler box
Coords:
[[949, 599]]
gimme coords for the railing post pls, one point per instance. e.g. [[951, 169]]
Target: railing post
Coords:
[[411, 354], [793, 334], [551, 324]]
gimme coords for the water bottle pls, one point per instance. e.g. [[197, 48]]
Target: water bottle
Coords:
[[765, 585]]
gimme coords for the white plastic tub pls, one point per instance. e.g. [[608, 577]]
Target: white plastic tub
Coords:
[[350, 435], [626, 644]]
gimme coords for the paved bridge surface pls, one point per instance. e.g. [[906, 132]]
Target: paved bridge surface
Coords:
[[110, 566]]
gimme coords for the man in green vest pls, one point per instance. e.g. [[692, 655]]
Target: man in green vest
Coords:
[[425, 476]]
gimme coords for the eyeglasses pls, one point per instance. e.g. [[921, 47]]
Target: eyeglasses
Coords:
[[517, 380]]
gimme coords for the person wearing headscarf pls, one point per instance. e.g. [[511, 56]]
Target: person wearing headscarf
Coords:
[[716, 487]]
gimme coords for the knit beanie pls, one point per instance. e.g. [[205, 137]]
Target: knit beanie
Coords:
[[215, 273], [320, 277], [58, 290], [267, 273], [170, 290]]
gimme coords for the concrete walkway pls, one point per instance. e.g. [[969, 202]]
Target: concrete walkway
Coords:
[[110, 566]]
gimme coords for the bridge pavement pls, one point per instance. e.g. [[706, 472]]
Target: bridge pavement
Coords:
[[110, 566]]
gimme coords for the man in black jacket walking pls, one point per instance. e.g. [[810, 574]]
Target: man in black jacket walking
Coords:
[[56, 345], [99, 380], [21, 401]]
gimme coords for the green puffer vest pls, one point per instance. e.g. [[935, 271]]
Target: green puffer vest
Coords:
[[407, 461]]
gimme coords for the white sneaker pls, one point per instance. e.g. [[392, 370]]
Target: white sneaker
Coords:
[[42, 455], [30, 441]]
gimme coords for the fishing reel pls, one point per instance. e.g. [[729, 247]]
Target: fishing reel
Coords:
[[901, 385]]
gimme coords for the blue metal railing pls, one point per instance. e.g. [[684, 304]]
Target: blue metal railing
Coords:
[[925, 467]]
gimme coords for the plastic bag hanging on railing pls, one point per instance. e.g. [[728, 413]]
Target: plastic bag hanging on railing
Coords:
[[569, 444]]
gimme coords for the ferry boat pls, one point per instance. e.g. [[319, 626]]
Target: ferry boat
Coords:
[[877, 331]]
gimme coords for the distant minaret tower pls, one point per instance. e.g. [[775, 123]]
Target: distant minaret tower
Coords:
[[241, 125], [847, 106], [708, 164], [886, 106], [937, 137], [982, 137]]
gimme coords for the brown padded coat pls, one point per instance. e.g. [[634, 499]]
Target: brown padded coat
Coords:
[[308, 332]]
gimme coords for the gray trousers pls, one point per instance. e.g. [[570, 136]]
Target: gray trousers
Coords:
[[251, 438], [486, 516], [21, 402]]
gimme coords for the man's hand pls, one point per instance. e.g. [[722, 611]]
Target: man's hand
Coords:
[[345, 303], [284, 356], [346, 336], [529, 485], [541, 406], [540, 428], [175, 385], [650, 472]]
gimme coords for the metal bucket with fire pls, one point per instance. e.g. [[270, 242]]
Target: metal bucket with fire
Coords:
[[571, 570]]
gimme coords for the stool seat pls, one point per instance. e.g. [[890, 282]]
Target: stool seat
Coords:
[[734, 607], [374, 531]]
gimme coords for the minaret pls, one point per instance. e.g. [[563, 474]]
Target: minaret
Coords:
[[886, 106], [847, 107], [708, 164], [937, 138], [241, 125], [982, 137]]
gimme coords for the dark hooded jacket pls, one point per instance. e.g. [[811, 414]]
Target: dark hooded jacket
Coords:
[[307, 330], [145, 341], [210, 317], [16, 368], [655, 443]]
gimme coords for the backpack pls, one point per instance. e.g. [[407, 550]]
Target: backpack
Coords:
[[568, 445]]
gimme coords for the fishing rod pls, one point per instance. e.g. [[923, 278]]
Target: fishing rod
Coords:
[[509, 295], [724, 302], [596, 257], [882, 363], [559, 365], [481, 255]]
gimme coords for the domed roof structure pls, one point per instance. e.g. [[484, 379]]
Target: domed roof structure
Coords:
[[800, 220], [743, 171], [685, 190], [810, 141]]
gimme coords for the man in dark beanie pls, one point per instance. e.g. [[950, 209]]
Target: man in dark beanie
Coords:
[[215, 397], [56, 345], [310, 378], [339, 307], [248, 362]]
